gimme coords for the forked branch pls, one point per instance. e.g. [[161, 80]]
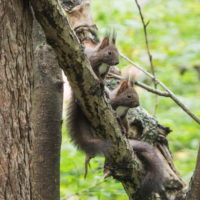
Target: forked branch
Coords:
[[145, 25]]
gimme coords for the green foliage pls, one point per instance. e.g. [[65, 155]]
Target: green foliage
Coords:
[[174, 42]]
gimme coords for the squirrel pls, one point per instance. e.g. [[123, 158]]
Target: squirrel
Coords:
[[103, 55], [121, 99]]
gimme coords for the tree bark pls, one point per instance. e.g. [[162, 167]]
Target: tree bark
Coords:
[[194, 191], [29, 162], [47, 121], [16, 58], [46, 118]]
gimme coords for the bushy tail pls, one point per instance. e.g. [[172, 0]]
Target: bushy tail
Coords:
[[154, 177], [82, 133]]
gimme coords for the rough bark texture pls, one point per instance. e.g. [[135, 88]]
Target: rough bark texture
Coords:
[[194, 189], [122, 162], [15, 99], [47, 120]]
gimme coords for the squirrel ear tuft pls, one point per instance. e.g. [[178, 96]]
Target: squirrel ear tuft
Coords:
[[114, 35], [123, 86], [131, 83], [104, 42]]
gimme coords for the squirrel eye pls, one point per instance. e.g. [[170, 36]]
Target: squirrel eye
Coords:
[[129, 96], [109, 52]]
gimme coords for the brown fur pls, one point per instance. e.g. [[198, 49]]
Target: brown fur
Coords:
[[154, 177], [104, 53], [81, 131], [124, 95]]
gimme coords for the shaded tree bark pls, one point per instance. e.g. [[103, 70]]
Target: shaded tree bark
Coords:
[[194, 191], [16, 59], [47, 120], [29, 166]]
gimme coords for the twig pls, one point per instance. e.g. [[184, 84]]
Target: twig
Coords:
[[145, 24], [152, 90], [171, 94], [142, 85]]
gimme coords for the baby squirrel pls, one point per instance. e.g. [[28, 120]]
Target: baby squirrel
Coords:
[[121, 99], [103, 55]]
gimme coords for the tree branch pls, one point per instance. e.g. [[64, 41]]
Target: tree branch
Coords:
[[87, 88], [152, 90], [170, 93], [142, 85]]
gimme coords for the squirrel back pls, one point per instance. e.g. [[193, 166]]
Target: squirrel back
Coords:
[[154, 177]]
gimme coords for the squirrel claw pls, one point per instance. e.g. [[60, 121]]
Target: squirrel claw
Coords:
[[107, 174], [87, 163]]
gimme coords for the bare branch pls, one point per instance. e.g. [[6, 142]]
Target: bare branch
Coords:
[[142, 85], [145, 24], [171, 94], [152, 90]]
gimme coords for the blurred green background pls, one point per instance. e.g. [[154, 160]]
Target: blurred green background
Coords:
[[174, 37]]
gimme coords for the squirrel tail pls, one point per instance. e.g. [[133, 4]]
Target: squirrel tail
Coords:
[[154, 177], [81, 131]]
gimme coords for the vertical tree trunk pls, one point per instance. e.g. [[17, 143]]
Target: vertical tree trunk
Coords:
[[47, 120], [194, 191], [29, 166], [15, 99]]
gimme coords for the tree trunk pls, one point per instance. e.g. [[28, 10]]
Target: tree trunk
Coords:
[[16, 58], [194, 191], [47, 120], [29, 160]]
